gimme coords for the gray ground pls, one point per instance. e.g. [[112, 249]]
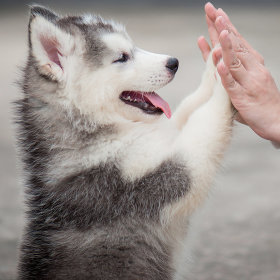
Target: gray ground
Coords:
[[236, 234]]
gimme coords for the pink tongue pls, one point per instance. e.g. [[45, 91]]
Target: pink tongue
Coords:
[[158, 102]]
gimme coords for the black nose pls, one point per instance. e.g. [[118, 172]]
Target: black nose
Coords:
[[172, 64]]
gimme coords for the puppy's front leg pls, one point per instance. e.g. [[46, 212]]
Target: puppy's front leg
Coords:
[[203, 141], [200, 96]]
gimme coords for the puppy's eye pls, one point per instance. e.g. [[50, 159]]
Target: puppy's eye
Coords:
[[123, 58]]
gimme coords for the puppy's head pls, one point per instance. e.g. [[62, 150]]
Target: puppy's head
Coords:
[[93, 65]]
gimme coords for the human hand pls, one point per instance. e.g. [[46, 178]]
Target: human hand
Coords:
[[211, 14], [249, 84]]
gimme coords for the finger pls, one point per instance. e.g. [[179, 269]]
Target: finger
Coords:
[[204, 47], [214, 36], [221, 12], [237, 43], [232, 62], [227, 24], [210, 11], [247, 58], [232, 87], [217, 55], [221, 24]]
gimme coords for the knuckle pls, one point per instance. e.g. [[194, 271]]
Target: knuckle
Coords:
[[241, 49], [235, 64]]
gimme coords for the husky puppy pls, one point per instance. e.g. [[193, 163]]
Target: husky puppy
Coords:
[[111, 178]]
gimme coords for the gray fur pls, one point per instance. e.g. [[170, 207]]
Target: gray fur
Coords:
[[92, 223], [95, 48]]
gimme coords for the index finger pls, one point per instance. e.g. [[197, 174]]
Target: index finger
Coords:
[[210, 11], [213, 33]]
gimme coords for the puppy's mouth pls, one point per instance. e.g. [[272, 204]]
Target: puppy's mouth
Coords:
[[148, 102]]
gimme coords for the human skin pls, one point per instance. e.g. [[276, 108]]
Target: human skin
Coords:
[[248, 82]]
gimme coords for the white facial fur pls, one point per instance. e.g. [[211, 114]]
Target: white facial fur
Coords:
[[100, 89]]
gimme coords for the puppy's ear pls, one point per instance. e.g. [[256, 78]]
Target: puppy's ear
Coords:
[[49, 44]]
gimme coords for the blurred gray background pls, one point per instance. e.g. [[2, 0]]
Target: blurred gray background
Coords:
[[236, 234]]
